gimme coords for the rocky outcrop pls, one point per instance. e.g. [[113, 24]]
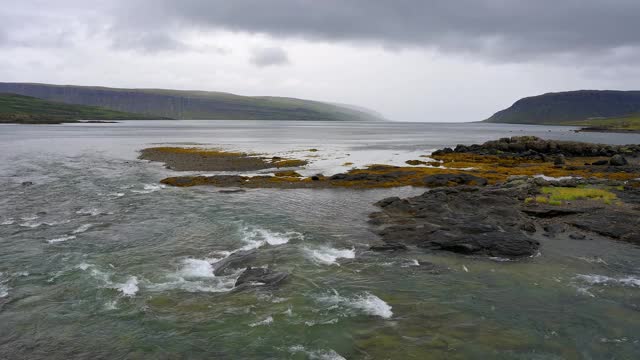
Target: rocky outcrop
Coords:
[[536, 148], [467, 220], [502, 220]]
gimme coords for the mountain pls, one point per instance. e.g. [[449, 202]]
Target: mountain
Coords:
[[572, 107], [29, 110], [178, 104]]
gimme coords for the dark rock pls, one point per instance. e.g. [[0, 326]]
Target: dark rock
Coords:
[[27, 183], [260, 276], [559, 160], [550, 212], [618, 160], [234, 191], [456, 179], [477, 221], [577, 236], [600, 162], [235, 260], [388, 247]]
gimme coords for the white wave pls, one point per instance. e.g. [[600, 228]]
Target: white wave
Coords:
[[316, 354], [412, 262], [258, 237], [111, 305], [129, 288], [31, 224], [61, 239], [606, 280], [216, 285], [9, 221], [328, 255], [116, 194], [593, 260], [90, 212], [366, 302], [4, 288], [499, 259], [148, 189], [266, 322], [29, 218], [195, 268], [82, 228]]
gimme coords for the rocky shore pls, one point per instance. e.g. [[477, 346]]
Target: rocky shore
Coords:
[[499, 199]]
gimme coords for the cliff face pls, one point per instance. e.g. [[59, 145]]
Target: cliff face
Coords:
[[572, 106], [189, 104]]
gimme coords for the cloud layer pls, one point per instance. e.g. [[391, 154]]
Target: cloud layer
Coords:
[[499, 30]]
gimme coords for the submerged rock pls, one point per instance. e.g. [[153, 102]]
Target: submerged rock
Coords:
[[236, 260], [260, 276]]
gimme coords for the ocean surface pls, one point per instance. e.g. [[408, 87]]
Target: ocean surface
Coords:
[[97, 260]]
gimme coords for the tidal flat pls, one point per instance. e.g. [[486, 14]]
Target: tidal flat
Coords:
[[101, 259]]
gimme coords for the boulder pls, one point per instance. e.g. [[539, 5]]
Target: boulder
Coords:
[[618, 160]]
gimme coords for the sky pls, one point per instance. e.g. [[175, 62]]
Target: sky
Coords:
[[410, 60]]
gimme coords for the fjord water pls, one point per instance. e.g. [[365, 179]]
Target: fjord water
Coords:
[[97, 260]]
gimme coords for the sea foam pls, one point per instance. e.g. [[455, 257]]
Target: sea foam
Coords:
[[258, 237], [316, 354], [61, 239], [365, 302], [630, 281], [129, 288], [328, 255]]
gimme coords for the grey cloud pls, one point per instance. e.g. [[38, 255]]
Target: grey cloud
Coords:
[[147, 42], [511, 30], [269, 56]]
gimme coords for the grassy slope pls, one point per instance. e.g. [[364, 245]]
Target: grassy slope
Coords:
[[25, 109], [181, 104], [585, 108], [625, 123]]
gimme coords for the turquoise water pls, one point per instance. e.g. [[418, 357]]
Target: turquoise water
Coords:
[[99, 261]]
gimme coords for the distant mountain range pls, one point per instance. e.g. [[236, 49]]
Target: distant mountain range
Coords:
[[29, 110], [584, 107], [178, 104]]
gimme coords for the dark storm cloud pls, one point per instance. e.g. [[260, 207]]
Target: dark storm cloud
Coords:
[[501, 29], [269, 56]]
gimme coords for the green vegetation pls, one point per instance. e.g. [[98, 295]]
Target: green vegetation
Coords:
[[29, 110], [195, 105], [586, 107], [557, 195], [623, 123]]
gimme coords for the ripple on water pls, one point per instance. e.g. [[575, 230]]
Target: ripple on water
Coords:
[[316, 354]]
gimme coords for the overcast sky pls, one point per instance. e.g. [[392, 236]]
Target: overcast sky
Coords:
[[411, 60]]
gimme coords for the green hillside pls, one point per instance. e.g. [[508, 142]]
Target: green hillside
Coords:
[[570, 107], [623, 123], [28, 110], [178, 104]]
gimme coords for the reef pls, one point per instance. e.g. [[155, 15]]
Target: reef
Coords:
[[197, 159], [503, 198]]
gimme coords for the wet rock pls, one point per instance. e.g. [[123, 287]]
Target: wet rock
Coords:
[[27, 183], [550, 212], [235, 260], [618, 160], [600, 162], [455, 179], [260, 276], [234, 191], [391, 246], [478, 221]]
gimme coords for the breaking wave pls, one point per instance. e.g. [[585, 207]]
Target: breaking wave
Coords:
[[365, 302], [328, 255]]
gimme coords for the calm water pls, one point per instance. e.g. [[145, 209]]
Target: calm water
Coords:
[[98, 261]]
